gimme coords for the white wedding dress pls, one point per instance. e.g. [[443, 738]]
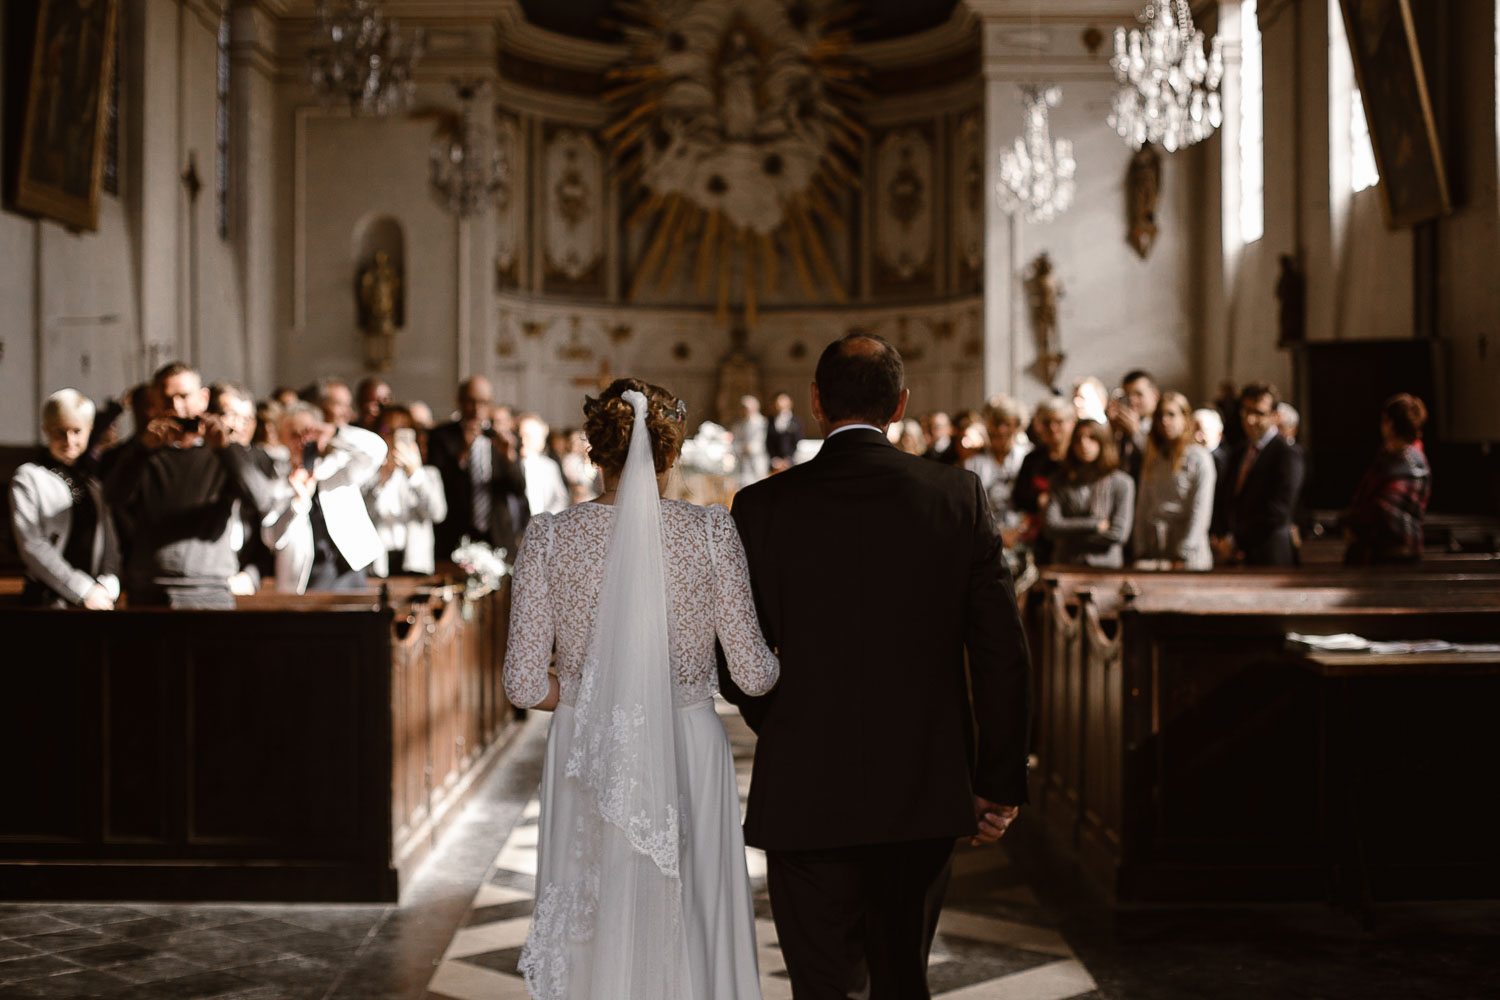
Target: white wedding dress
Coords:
[[642, 890]]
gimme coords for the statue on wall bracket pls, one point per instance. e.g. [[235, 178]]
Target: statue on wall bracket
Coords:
[[381, 311], [1143, 187], [1044, 291]]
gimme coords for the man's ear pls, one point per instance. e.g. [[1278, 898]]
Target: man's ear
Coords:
[[901, 402], [817, 404]]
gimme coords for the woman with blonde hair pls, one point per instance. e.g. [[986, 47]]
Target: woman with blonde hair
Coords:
[[58, 517], [1175, 500]]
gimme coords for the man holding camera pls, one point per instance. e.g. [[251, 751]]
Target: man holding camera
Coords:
[[173, 494]]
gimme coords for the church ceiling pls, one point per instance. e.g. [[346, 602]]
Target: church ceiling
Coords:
[[879, 19]]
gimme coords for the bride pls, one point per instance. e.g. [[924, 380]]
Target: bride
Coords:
[[641, 884]]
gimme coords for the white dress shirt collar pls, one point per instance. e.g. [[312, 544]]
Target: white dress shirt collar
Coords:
[[854, 427]]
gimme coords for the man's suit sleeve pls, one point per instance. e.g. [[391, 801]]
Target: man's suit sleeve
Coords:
[[752, 709], [999, 666]]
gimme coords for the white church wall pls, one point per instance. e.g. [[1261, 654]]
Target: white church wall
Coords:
[[99, 310]]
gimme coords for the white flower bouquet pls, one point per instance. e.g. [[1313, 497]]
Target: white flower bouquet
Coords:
[[485, 566]]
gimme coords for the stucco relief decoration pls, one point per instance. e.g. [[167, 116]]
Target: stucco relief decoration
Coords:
[[733, 120], [968, 220], [509, 204], [903, 221], [574, 242]]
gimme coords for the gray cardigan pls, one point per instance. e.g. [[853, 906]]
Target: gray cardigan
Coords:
[[1174, 508], [1074, 514]]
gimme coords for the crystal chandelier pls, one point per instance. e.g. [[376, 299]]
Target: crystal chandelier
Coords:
[[1169, 88], [1036, 177], [358, 57], [464, 180]]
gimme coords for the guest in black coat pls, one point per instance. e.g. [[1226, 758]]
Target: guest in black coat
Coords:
[[782, 434], [859, 820], [1259, 492], [483, 480]]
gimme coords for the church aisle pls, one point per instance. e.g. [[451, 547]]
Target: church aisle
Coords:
[[993, 939]]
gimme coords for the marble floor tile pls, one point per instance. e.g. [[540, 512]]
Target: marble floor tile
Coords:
[[34, 967], [66, 986]]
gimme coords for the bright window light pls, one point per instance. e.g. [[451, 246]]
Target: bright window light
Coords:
[[1363, 173], [1252, 127]]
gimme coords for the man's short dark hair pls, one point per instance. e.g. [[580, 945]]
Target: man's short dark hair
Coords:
[[321, 389], [860, 377], [1253, 392], [1135, 375], [170, 370], [220, 391]]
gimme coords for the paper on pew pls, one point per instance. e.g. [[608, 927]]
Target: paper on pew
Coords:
[[1341, 642]]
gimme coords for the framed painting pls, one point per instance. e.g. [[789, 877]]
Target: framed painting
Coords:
[[1388, 65], [61, 164]]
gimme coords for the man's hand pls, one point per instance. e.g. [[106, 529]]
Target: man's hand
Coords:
[[993, 819], [240, 585], [160, 432], [216, 432], [98, 599], [1122, 418], [302, 483]]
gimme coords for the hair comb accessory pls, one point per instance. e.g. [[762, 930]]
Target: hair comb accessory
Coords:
[[681, 411]]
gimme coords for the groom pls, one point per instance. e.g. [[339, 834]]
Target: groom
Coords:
[[874, 573]]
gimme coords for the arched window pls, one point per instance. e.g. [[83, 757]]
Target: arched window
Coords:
[[221, 127], [1252, 126], [1349, 132]]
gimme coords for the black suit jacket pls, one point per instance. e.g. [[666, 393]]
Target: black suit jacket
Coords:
[[874, 572], [509, 512], [1259, 515], [783, 444]]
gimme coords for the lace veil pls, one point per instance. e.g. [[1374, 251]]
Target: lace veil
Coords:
[[610, 927]]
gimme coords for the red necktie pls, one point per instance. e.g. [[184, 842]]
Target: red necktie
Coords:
[[1250, 454]]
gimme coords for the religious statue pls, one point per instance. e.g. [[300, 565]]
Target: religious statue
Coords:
[[739, 376], [380, 307], [1291, 292], [1044, 291], [1143, 185]]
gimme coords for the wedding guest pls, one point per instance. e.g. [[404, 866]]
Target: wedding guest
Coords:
[[1130, 418], [1228, 405], [1175, 502], [546, 490], [421, 414], [942, 447], [1263, 483], [267, 419], [1090, 399], [482, 475], [584, 478], [404, 500], [783, 435], [908, 436], [285, 397], [999, 465], [370, 397], [319, 527], [173, 496], [1053, 425], [139, 400], [1288, 421], [333, 397], [1090, 512], [1383, 524], [1208, 428], [60, 522], [751, 461], [233, 406]]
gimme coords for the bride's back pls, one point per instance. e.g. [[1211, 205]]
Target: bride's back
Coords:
[[562, 562]]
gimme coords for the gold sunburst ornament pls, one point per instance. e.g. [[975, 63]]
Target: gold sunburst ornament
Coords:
[[733, 119]]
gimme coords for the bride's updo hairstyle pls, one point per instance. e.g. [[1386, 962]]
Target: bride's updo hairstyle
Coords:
[[609, 419]]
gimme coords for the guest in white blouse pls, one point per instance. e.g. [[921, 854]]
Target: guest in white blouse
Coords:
[[404, 499], [61, 524], [546, 490], [1000, 464], [1175, 502]]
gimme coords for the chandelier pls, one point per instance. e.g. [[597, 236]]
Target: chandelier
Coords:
[[358, 57], [1036, 177], [464, 180], [1169, 87]]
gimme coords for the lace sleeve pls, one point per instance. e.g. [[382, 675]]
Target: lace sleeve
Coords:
[[529, 649], [752, 665]]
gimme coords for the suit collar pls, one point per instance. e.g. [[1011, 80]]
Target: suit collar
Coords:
[[857, 437]]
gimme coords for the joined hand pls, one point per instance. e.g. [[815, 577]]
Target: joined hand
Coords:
[[993, 819]]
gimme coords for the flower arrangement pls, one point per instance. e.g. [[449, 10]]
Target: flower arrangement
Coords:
[[710, 451], [485, 566]]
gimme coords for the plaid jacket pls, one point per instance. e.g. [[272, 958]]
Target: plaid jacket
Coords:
[[1385, 516]]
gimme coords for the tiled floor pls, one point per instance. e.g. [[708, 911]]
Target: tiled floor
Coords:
[[994, 941]]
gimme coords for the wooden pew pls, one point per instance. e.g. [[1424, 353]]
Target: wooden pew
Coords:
[[1177, 741], [302, 748]]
